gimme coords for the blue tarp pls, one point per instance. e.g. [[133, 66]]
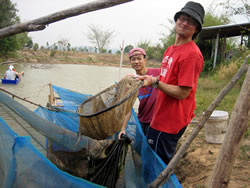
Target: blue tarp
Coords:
[[21, 161], [22, 165]]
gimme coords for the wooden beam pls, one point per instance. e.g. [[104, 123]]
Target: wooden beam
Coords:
[[165, 174], [238, 125], [41, 23], [216, 49]]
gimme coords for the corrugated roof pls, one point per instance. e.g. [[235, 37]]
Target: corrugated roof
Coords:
[[224, 31]]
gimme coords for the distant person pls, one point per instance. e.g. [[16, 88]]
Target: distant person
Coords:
[[146, 95], [11, 74], [180, 68]]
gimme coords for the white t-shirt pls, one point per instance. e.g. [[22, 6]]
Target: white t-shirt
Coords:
[[10, 75]]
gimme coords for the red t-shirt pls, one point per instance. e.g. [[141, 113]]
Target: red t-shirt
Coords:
[[147, 96], [181, 65]]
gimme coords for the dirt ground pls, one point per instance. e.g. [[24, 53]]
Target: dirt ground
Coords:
[[194, 170]]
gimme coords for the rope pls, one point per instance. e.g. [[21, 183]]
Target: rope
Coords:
[[50, 108], [24, 99]]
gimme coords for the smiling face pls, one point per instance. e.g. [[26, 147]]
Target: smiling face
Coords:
[[186, 26], [138, 62]]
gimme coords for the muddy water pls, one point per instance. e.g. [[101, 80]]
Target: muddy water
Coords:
[[81, 78]]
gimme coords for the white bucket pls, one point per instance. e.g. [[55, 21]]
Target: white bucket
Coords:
[[216, 127]]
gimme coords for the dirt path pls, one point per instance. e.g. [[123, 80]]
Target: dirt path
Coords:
[[195, 168]]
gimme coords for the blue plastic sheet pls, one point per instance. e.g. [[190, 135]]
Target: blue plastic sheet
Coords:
[[22, 165], [20, 159]]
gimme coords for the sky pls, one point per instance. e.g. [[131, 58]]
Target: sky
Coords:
[[132, 22]]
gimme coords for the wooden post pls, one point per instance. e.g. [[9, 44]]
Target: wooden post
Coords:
[[212, 50], [41, 23], [223, 49], [216, 49], [51, 103], [121, 60], [238, 124], [163, 177]]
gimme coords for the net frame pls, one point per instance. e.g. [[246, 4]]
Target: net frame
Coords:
[[102, 115]]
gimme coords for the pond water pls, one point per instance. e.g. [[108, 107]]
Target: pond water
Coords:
[[87, 79]]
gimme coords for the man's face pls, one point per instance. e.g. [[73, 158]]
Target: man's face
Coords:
[[186, 26], [138, 62]]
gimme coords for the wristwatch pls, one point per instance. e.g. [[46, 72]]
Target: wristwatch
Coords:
[[156, 84]]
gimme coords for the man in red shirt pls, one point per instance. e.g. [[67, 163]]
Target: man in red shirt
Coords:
[[181, 66], [146, 95]]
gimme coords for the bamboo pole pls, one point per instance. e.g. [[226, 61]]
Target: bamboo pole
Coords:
[[51, 107], [163, 177], [121, 60], [24, 99], [238, 124], [41, 23], [59, 135]]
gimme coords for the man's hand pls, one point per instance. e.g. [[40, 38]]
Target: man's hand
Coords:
[[148, 80], [121, 132]]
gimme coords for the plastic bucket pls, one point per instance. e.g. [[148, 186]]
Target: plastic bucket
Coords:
[[216, 127]]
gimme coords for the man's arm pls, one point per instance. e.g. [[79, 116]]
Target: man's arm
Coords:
[[20, 74], [178, 92]]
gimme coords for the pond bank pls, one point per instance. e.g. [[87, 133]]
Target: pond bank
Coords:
[[72, 57]]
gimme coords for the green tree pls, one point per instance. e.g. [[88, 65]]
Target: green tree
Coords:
[[9, 17], [210, 20], [23, 40], [7, 13], [206, 46], [29, 44], [35, 47], [153, 52], [128, 48]]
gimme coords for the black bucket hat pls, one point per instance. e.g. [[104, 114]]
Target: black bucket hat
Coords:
[[195, 10]]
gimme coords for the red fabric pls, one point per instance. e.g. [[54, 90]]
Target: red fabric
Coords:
[[147, 97], [181, 65]]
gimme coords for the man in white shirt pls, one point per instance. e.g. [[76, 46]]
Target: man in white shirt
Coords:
[[11, 74]]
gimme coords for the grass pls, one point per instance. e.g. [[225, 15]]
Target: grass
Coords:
[[209, 86]]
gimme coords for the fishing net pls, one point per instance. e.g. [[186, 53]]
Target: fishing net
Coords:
[[102, 164], [107, 171], [102, 115]]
